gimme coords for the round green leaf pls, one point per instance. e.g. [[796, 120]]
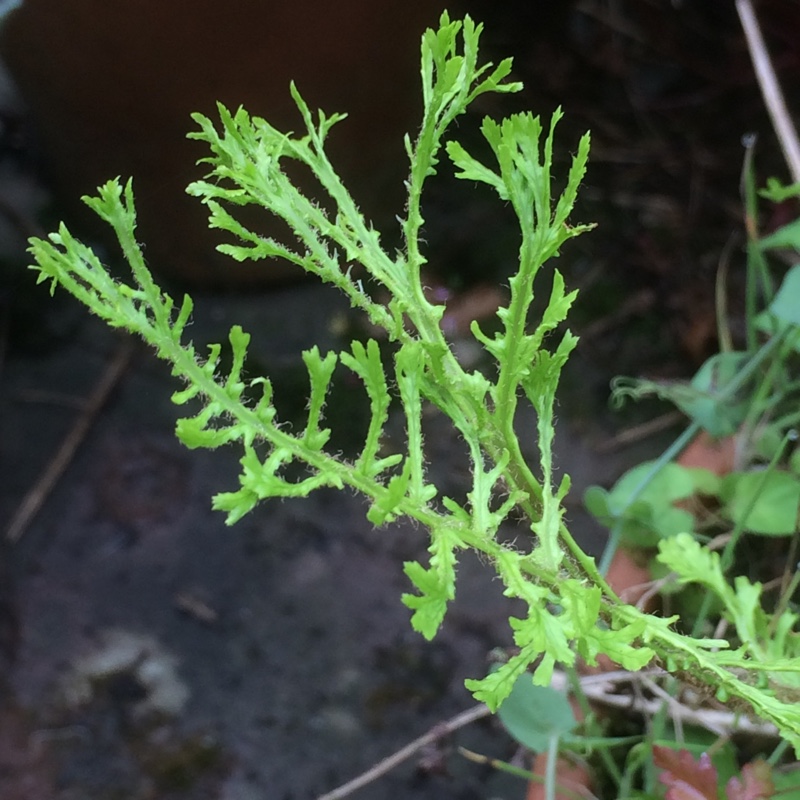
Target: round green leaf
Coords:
[[534, 714], [672, 482], [653, 515]]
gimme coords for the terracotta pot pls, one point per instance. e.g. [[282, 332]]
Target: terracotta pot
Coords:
[[111, 86]]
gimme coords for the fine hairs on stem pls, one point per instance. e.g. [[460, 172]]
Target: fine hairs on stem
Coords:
[[567, 611]]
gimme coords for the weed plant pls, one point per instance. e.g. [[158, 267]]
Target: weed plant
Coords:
[[571, 612]]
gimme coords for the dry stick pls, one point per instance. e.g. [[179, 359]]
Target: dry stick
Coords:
[[433, 735], [36, 497], [770, 89], [636, 433], [496, 763], [600, 689]]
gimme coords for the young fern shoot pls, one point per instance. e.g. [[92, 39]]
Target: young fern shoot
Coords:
[[571, 612]]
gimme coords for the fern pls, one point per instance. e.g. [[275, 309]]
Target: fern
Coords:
[[571, 611]]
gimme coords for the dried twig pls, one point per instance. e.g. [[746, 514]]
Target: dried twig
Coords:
[[637, 433], [196, 608], [770, 88], [36, 497], [562, 791], [602, 690], [382, 767]]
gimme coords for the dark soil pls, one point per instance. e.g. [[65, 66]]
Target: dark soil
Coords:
[[285, 633]]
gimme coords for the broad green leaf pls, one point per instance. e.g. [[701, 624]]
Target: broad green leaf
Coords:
[[534, 714], [646, 509], [672, 482], [787, 783], [762, 502], [782, 316]]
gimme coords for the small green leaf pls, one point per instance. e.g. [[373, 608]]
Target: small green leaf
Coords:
[[320, 372], [472, 170], [385, 508], [685, 556], [430, 605], [785, 306], [597, 502], [704, 406], [497, 686], [702, 399], [534, 714], [778, 192], [762, 502], [436, 584]]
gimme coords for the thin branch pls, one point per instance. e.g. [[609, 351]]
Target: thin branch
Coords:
[[35, 498], [637, 433], [433, 735], [770, 88], [603, 689]]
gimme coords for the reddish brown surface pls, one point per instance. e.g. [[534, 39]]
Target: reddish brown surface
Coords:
[[715, 455]]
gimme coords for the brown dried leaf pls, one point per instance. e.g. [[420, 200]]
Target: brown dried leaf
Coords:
[[685, 777], [756, 783]]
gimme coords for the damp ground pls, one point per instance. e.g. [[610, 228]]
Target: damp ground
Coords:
[[153, 651]]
